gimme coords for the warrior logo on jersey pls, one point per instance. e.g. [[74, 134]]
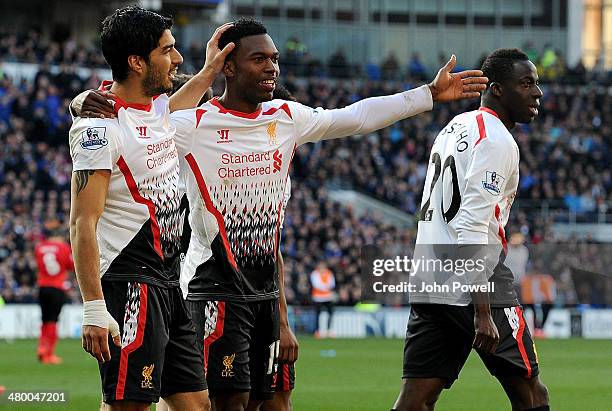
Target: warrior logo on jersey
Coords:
[[493, 182], [223, 136], [93, 138]]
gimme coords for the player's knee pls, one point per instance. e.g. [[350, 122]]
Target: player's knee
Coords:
[[413, 398], [230, 402], [540, 394], [532, 398], [202, 404], [128, 406]]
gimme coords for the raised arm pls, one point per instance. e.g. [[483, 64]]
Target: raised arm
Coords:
[[190, 94], [374, 113]]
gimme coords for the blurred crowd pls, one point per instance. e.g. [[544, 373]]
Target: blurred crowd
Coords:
[[564, 154]]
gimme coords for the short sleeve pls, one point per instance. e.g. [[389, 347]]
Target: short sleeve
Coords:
[[185, 123], [94, 143], [310, 124], [492, 163]]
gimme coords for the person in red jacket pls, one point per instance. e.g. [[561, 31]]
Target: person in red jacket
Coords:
[[54, 259]]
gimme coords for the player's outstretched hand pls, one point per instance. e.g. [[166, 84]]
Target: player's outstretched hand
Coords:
[[289, 346], [93, 103], [215, 57], [449, 86], [487, 336], [97, 323]]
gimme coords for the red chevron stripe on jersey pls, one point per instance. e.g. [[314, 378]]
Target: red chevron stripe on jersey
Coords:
[[193, 164], [131, 183]]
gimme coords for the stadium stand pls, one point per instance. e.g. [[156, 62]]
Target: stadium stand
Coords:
[[565, 172]]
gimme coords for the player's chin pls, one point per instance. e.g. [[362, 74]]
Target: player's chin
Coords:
[[265, 96], [527, 119]]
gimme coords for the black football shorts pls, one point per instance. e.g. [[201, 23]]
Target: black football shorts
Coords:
[[240, 341], [51, 300], [439, 340], [158, 354]]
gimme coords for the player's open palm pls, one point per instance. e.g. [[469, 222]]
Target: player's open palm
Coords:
[[288, 350], [486, 337], [448, 86], [215, 57]]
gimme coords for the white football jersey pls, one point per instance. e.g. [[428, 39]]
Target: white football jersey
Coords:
[[238, 165], [139, 231], [470, 185], [471, 182]]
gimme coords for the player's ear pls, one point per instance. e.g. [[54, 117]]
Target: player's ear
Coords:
[[496, 89], [136, 63], [229, 68]]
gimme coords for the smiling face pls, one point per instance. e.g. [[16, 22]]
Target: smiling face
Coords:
[[521, 93], [253, 69], [162, 66]]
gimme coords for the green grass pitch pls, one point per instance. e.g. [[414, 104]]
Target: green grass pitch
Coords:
[[363, 375]]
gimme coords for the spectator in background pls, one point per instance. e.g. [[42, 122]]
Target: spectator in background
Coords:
[[417, 69], [323, 285], [517, 259], [390, 67], [538, 293], [338, 65], [293, 59]]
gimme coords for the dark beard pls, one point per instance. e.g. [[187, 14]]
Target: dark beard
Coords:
[[153, 85]]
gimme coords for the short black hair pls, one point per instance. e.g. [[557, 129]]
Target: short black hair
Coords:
[[499, 65], [130, 31], [243, 27]]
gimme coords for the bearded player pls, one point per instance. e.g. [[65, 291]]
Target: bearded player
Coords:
[[238, 149]]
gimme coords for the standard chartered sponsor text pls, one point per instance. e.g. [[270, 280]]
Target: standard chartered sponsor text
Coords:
[[246, 169]]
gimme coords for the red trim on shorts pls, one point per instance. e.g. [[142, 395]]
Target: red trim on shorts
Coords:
[[286, 382], [215, 102], [210, 207], [481, 129], [131, 183], [519, 340], [500, 229], [134, 345], [284, 107], [216, 334]]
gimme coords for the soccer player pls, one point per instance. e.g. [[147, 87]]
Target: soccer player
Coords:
[[53, 258], [238, 149], [125, 223], [284, 379], [469, 189]]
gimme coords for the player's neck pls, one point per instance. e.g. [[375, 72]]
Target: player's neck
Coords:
[[131, 91], [231, 100], [501, 112]]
